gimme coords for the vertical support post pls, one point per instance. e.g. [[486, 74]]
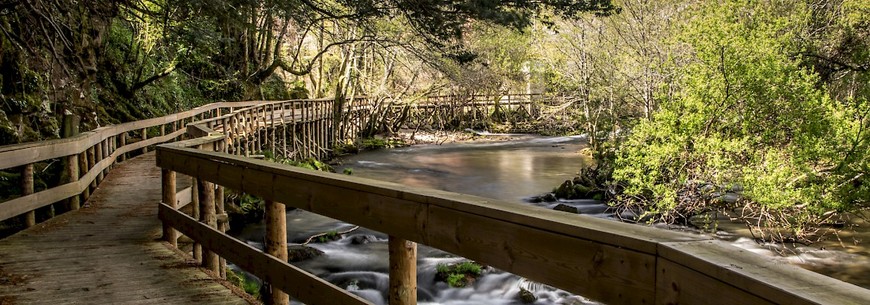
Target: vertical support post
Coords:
[[194, 197], [91, 161], [276, 244], [27, 189], [123, 157], [99, 154], [208, 216], [403, 272], [144, 132], [72, 172], [222, 224], [83, 170], [168, 186], [272, 129], [162, 130], [107, 151]]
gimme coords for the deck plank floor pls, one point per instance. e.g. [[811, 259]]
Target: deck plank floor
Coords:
[[108, 252]]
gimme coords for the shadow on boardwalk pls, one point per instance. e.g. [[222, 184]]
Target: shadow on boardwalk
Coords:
[[106, 253]]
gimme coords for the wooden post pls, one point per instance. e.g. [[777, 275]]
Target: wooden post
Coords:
[[99, 154], [194, 196], [83, 170], [208, 216], [163, 130], [144, 137], [403, 272], [107, 151], [276, 244], [91, 161], [223, 223], [273, 129], [72, 172], [123, 157], [27, 189], [168, 185]]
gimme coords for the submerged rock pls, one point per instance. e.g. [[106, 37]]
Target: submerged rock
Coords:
[[296, 253], [566, 208], [549, 197], [362, 239], [527, 297]]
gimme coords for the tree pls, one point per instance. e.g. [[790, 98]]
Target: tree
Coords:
[[747, 115]]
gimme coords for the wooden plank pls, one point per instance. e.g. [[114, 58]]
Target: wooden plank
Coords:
[[184, 197], [761, 276], [302, 285], [598, 271], [677, 284]]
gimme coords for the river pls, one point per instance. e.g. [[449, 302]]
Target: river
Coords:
[[511, 170]]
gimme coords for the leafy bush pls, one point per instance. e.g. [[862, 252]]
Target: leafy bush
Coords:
[[747, 113]]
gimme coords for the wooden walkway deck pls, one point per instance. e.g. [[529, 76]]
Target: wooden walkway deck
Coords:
[[106, 253]]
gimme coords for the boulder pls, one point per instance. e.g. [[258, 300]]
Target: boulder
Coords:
[[362, 239], [296, 253]]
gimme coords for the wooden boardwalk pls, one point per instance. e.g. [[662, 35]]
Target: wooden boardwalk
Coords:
[[106, 253]]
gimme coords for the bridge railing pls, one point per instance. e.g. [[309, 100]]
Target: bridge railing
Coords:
[[604, 260], [87, 157]]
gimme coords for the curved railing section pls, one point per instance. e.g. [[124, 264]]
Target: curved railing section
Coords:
[[88, 157]]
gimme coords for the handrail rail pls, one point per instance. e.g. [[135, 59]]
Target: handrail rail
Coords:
[[605, 260], [89, 156]]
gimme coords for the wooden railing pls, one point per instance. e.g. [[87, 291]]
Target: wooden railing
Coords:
[[87, 157], [604, 260]]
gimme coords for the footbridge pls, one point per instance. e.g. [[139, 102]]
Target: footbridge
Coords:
[[138, 192]]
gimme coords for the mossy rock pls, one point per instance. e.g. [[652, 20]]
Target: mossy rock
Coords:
[[566, 208], [296, 253], [458, 275], [526, 296], [566, 190]]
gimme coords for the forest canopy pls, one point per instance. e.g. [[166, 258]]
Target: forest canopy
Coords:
[[110, 61]]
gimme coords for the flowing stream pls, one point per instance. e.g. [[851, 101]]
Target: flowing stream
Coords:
[[511, 170]]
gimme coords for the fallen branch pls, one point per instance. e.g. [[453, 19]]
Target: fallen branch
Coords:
[[310, 239]]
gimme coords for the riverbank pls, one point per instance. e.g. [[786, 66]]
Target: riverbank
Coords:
[[421, 137]]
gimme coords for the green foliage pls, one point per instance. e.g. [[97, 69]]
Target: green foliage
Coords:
[[328, 236], [458, 275], [747, 112], [456, 280], [249, 286]]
